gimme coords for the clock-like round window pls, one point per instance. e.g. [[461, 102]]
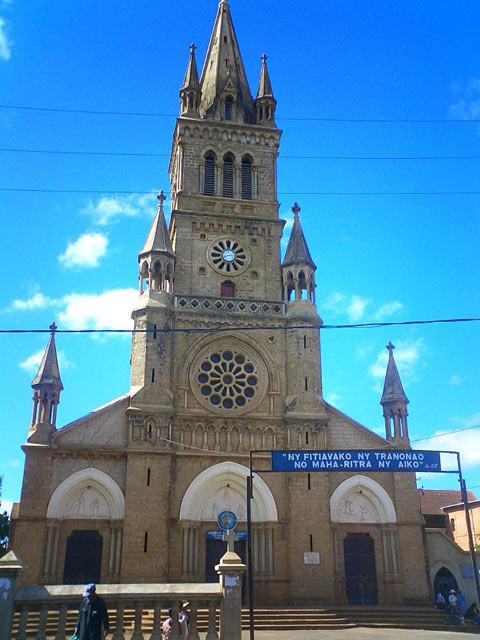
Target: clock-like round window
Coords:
[[228, 379], [228, 256]]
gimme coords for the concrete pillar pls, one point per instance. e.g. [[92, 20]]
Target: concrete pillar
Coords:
[[231, 570], [10, 569]]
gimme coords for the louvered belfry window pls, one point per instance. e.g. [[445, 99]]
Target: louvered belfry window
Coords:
[[228, 177], [209, 184], [246, 179]]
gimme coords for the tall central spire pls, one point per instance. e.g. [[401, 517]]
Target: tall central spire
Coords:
[[223, 76]]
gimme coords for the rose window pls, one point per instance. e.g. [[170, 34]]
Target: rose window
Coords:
[[227, 379], [228, 256]]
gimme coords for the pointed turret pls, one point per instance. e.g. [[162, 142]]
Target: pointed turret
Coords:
[[190, 92], [265, 104], [157, 258], [46, 386], [394, 402], [298, 268], [224, 85]]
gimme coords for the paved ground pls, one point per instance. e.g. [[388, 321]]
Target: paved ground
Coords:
[[362, 633]]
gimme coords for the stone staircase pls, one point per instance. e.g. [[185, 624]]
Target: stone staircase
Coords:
[[280, 619]]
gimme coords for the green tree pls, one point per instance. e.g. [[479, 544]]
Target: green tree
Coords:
[[4, 525]]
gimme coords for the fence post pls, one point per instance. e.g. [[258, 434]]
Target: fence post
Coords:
[[10, 569], [230, 571]]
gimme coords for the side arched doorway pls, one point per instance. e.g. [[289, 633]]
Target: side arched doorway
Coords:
[[444, 581], [360, 572], [365, 537]]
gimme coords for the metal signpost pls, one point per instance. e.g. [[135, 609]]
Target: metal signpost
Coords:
[[365, 460]]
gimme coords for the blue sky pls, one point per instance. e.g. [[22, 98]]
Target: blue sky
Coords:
[[73, 257]]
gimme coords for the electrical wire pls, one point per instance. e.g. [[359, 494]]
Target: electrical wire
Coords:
[[291, 118], [281, 157], [366, 325], [280, 193], [447, 433]]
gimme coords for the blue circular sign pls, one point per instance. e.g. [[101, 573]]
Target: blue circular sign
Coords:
[[227, 520]]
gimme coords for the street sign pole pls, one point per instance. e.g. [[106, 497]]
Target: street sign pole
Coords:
[[249, 548]]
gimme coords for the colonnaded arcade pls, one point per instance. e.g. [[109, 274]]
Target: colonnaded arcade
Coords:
[[131, 491]]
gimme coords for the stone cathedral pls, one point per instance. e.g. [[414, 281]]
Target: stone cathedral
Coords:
[[131, 492]]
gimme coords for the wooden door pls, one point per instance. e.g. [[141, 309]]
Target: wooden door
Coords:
[[360, 573]]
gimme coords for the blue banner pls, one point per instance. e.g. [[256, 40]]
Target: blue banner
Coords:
[[357, 460], [218, 535]]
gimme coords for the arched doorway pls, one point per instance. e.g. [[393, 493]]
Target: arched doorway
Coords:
[[83, 558], [222, 487], [444, 581], [360, 573]]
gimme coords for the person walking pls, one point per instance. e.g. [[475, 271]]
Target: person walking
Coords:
[[92, 615]]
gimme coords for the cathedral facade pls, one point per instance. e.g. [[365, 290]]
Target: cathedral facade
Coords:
[[225, 360]]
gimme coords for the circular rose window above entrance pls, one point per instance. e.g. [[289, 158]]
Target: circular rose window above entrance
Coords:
[[227, 379], [228, 256]]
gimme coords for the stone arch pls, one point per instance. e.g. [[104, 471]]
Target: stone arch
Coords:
[[436, 568], [205, 493], [70, 500], [361, 499]]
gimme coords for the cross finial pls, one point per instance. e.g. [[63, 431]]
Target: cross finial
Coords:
[[192, 48], [230, 538], [264, 58], [390, 347], [53, 327], [296, 209], [161, 198]]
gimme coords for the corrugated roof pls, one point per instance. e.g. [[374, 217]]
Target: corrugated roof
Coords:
[[432, 500]]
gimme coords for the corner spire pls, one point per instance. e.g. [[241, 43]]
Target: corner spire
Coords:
[[157, 258], [190, 90], [298, 268], [46, 386], [297, 250], [224, 85], [265, 103], [394, 402]]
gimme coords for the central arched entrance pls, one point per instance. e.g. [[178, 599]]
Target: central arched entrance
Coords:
[[222, 487]]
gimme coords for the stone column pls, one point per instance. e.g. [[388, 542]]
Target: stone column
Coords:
[[231, 571], [10, 569]]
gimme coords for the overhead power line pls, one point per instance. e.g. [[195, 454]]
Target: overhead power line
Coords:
[[280, 193], [365, 325], [281, 157], [446, 433], [291, 118]]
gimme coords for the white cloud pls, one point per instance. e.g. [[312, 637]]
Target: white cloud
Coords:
[[5, 43], [109, 209], [466, 442], [408, 357], [6, 505], [456, 380], [85, 252], [388, 310], [37, 301], [332, 398], [109, 310], [353, 306], [468, 101], [13, 462], [356, 308], [31, 364]]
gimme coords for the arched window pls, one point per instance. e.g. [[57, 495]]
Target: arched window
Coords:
[[209, 182], [246, 179], [228, 177], [229, 108]]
